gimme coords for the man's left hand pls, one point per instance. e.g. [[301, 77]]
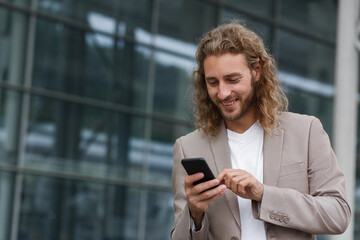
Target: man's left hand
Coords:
[[242, 183]]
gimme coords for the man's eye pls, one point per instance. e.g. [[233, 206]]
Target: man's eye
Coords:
[[212, 83], [234, 80]]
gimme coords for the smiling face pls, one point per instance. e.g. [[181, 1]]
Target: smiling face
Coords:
[[230, 85]]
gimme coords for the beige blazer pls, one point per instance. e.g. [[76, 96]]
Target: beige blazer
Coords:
[[304, 188]]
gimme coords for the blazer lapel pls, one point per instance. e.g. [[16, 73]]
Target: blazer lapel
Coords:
[[221, 152], [272, 156]]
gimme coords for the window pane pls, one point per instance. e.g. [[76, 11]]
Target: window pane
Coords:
[[306, 58], [10, 102], [185, 20], [90, 65], [13, 36], [171, 84], [161, 150], [160, 216], [55, 208], [305, 103], [7, 186], [263, 8], [78, 139], [262, 29], [111, 16], [315, 17]]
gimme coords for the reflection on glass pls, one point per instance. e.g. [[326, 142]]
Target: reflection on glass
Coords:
[[7, 181], [78, 139], [90, 65], [160, 159], [10, 102], [13, 35], [306, 58], [263, 8], [55, 208], [111, 16], [186, 20], [159, 215], [315, 17], [171, 84], [263, 30], [310, 104]]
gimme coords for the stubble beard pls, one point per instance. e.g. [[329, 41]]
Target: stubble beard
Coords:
[[246, 105]]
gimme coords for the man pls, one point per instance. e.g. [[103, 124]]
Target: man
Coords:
[[277, 175]]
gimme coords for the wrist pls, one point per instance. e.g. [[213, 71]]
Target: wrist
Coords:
[[260, 194], [197, 218]]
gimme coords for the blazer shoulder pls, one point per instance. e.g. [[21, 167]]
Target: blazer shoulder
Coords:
[[295, 120], [193, 137], [194, 142]]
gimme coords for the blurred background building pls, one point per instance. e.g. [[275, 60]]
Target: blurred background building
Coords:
[[94, 93]]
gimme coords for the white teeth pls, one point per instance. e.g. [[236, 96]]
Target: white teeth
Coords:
[[228, 103]]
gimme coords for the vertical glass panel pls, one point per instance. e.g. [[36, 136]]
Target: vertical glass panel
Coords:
[[171, 84], [185, 20], [10, 114], [13, 36], [79, 139], [263, 8], [7, 186], [90, 65], [262, 29], [161, 150], [55, 208], [359, 74], [315, 17], [159, 215], [306, 58], [111, 16], [356, 210], [310, 104]]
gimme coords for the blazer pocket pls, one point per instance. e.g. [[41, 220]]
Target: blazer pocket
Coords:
[[292, 168]]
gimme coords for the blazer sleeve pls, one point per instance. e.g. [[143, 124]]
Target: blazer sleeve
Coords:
[[182, 224], [325, 209]]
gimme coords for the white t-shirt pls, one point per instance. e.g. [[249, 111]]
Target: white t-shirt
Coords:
[[247, 154]]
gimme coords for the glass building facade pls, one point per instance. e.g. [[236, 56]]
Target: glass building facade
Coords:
[[93, 95]]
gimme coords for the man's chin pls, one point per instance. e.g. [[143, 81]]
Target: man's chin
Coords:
[[230, 117]]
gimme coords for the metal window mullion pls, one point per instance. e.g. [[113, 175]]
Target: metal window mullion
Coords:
[[23, 123], [219, 11], [149, 121], [345, 113], [275, 30]]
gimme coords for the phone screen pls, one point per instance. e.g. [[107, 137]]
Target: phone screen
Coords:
[[196, 165]]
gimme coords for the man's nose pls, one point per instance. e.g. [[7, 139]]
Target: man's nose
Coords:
[[224, 91]]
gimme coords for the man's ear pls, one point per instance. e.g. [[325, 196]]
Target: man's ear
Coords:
[[257, 70]]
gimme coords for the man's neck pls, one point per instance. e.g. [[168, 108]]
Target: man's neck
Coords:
[[242, 124]]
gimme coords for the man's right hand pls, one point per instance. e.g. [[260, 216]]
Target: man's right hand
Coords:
[[198, 198]]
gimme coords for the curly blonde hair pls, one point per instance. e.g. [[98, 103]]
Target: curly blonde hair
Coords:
[[234, 37]]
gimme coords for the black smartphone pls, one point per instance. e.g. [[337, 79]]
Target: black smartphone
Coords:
[[195, 165]]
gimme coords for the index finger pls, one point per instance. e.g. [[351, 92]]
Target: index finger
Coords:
[[190, 179], [221, 175]]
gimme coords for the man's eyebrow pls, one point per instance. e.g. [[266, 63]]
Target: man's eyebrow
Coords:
[[234, 74], [210, 78], [230, 75]]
